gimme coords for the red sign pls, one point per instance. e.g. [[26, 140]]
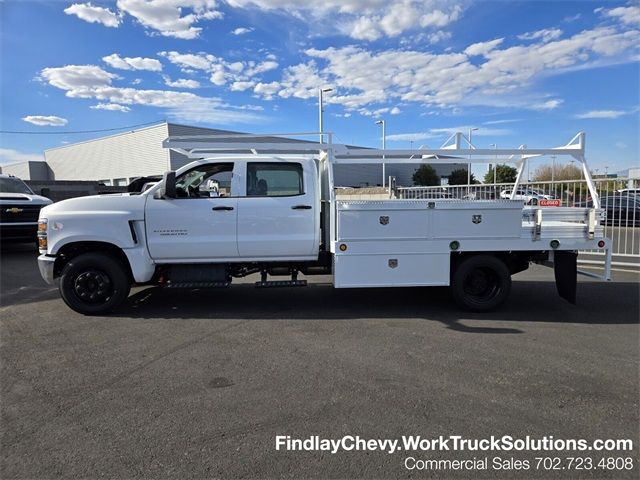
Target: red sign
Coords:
[[549, 203]]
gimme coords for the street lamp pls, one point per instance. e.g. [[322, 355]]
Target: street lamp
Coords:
[[321, 109], [495, 165], [469, 165], [384, 147]]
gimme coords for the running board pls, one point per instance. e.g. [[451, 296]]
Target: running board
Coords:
[[196, 285], [281, 283]]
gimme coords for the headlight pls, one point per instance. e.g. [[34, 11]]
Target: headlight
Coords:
[[42, 235]]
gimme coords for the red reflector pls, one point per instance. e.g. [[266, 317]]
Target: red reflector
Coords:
[[601, 243]]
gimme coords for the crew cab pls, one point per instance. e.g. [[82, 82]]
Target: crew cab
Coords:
[[19, 210], [226, 216]]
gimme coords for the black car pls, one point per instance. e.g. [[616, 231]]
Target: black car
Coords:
[[19, 210], [622, 210]]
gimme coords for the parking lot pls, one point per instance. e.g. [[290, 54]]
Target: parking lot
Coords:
[[199, 383]]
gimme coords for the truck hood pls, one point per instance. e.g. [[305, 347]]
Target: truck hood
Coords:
[[10, 198], [113, 204]]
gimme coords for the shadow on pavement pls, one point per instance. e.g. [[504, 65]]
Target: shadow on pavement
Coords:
[[598, 303]]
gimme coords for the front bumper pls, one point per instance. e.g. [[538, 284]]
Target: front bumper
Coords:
[[45, 264]]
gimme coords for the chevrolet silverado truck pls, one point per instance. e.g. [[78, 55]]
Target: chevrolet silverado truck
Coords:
[[19, 210], [257, 206]]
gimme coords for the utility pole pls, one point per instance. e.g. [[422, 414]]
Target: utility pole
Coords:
[[321, 110], [469, 164], [384, 147]]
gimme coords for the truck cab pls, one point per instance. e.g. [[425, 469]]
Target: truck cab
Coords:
[[209, 221], [265, 210]]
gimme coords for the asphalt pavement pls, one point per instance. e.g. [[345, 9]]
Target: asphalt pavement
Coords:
[[198, 384]]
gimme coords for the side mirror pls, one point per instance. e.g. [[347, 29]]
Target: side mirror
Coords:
[[168, 189]]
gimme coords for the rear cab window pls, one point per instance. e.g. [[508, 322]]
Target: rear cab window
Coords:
[[269, 179]]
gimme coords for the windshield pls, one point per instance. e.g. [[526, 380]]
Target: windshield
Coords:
[[14, 185]]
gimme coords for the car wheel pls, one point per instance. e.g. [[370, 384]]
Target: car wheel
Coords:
[[481, 283], [94, 283]]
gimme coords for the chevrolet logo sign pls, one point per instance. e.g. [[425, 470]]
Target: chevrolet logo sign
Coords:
[[14, 210]]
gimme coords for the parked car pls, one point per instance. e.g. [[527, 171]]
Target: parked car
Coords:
[[527, 195], [19, 210], [622, 210]]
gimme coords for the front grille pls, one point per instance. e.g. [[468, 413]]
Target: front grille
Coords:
[[19, 213]]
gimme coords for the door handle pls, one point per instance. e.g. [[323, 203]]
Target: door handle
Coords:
[[301, 207], [220, 209]]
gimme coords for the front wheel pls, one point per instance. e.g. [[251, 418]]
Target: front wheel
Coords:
[[94, 283], [481, 283]]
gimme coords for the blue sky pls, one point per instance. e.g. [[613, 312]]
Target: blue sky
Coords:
[[521, 72]]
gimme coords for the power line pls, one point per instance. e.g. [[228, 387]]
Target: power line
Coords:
[[21, 132]]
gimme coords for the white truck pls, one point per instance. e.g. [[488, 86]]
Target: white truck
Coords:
[[275, 212]]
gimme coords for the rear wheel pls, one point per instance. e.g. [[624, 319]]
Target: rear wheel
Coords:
[[481, 283], [94, 283]]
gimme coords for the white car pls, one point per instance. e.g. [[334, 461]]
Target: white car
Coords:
[[530, 197]]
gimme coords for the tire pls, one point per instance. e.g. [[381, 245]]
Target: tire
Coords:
[[94, 283], [481, 283]]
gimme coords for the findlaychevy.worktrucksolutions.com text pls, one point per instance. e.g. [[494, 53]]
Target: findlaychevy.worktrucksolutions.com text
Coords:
[[505, 443]]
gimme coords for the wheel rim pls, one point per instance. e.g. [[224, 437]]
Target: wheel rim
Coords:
[[93, 286], [482, 284]]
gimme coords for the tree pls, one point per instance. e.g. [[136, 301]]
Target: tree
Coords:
[[504, 174], [426, 176], [561, 172], [459, 177]]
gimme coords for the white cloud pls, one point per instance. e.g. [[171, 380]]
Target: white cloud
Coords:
[[181, 83], [267, 90], [241, 86], [90, 81], [601, 114], [482, 48], [629, 15], [8, 155], [114, 107], [445, 132], [364, 19], [483, 74], [221, 71], [136, 63], [166, 16], [545, 35], [92, 14], [189, 60], [241, 31], [46, 120], [547, 105]]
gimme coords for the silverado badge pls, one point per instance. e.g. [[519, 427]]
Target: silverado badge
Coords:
[[384, 220], [476, 219], [14, 210]]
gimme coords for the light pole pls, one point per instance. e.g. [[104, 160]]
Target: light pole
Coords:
[[495, 165], [384, 147], [321, 110], [553, 173], [469, 164]]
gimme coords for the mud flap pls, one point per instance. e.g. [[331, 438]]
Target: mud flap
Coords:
[[566, 273]]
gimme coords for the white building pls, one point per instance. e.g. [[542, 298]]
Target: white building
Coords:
[[118, 159]]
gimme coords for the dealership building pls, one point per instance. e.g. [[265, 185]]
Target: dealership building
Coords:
[[118, 159]]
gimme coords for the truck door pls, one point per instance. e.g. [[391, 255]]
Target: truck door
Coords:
[[278, 217], [200, 224]]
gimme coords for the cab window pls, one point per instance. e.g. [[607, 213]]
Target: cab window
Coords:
[[206, 181], [274, 179]]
